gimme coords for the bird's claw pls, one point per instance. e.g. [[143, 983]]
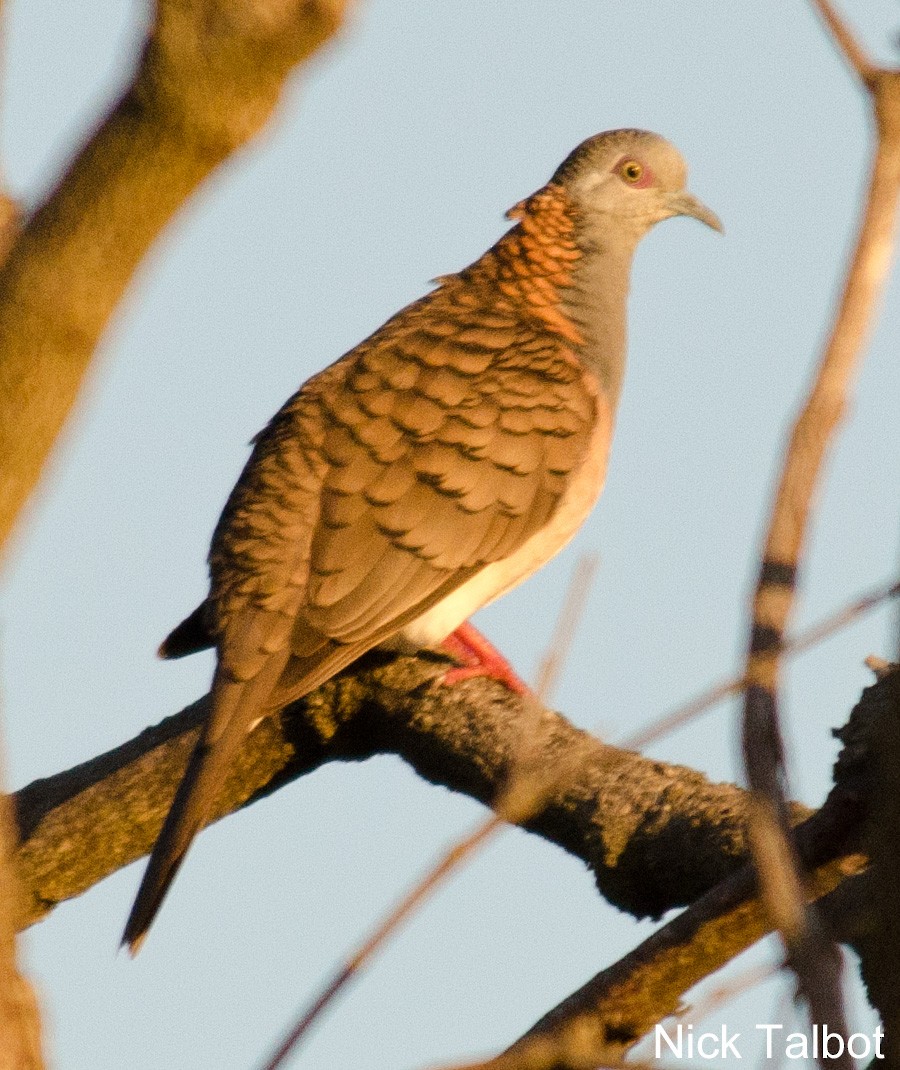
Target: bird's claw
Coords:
[[478, 657]]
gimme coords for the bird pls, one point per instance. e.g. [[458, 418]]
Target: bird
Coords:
[[427, 471]]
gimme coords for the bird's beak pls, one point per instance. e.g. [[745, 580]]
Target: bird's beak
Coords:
[[687, 204]]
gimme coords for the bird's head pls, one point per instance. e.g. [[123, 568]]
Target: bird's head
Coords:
[[629, 178]]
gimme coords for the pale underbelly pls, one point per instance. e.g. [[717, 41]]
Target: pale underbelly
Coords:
[[501, 576]]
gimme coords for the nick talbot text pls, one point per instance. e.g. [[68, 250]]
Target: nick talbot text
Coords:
[[819, 1042]]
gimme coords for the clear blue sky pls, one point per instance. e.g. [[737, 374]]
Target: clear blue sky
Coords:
[[392, 162]]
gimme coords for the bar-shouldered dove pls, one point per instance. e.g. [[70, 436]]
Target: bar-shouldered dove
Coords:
[[430, 469]]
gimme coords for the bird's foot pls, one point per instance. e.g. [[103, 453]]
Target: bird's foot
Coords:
[[478, 657]]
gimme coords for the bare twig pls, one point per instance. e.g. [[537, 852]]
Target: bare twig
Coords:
[[846, 42], [724, 993], [550, 669], [793, 645], [597, 1024], [524, 793], [436, 875], [813, 958]]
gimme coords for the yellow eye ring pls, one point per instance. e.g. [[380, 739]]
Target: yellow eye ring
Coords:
[[631, 170]]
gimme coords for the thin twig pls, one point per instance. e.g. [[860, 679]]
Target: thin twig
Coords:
[[714, 1000], [603, 1019], [814, 959], [728, 990], [846, 42], [551, 664], [523, 796], [382, 932], [794, 645]]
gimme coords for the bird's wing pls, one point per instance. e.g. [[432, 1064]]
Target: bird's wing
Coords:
[[439, 450], [391, 478]]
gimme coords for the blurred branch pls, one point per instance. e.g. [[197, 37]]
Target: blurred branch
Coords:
[[412, 901], [560, 645], [20, 1020], [209, 78], [596, 1025], [599, 1023], [621, 1004], [811, 955], [805, 640], [10, 222], [846, 42], [654, 835], [20, 1016]]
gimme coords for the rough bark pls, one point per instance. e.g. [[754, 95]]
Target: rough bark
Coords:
[[654, 835]]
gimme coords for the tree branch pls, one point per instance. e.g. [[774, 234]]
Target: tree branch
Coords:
[[654, 835], [813, 958], [622, 1003], [210, 76], [878, 940], [599, 1023], [20, 1019]]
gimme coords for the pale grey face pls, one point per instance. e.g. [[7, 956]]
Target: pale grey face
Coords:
[[630, 177]]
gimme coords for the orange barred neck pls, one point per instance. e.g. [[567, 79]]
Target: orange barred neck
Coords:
[[533, 264]]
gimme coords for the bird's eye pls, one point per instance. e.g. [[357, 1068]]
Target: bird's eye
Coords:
[[631, 170]]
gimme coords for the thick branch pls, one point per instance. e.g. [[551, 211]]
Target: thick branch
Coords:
[[599, 1023], [609, 1014], [209, 78], [878, 940], [654, 835]]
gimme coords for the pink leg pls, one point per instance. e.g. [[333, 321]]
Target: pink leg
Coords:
[[479, 657]]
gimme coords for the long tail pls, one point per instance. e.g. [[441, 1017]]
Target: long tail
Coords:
[[236, 707]]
